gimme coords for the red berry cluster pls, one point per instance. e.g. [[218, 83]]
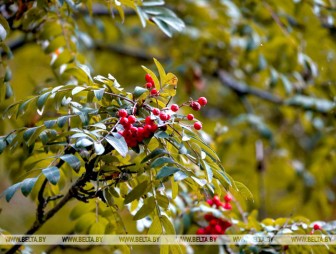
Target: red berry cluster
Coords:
[[215, 201], [135, 131], [151, 86], [196, 105], [216, 226]]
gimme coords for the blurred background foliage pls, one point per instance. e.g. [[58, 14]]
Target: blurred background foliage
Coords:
[[266, 67]]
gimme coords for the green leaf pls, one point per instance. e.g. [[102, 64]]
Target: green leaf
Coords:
[[61, 121], [50, 123], [99, 148], [155, 228], [166, 171], [137, 192], [84, 142], [52, 174], [50, 29], [119, 143], [4, 24], [72, 160], [176, 249], [27, 185], [99, 93], [287, 84], [161, 70], [146, 209], [3, 33], [138, 91], [64, 58], [179, 176], [154, 154], [161, 161], [161, 134], [29, 133], [23, 107], [168, 225], [97, 228], [222, 178], [85, 69], [85, 222], [3, 145], [163, 26], [42, 99], [142, 15], [163, 201], [171, 79], [244, 191], [153, 3], [81, 208], [9, 193], [175, 22], [208, 171], [164, 249], [56, 43], [77, 90]]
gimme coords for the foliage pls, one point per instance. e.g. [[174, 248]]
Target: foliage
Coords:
[[266, 68]]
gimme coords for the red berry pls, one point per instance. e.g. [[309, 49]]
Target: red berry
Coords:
[[141, 131], [149, 85], [156, 111], [198, 125], [154, 92], [227, 206], [195, 106], [190, 117], [202, 101], [147, 131], [218, 229], [154, 127], [213, 222], [317, 227], [123, 121], [200, 231], [208, 229], [134, 130], [148, 120], [210, 202], [131, 119], [122, 113], [163, 116], [209, 216], [149, 79], [174, 107], [132, 143], [228, 198]]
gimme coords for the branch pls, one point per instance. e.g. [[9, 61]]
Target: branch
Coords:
[[41, 202], [126, 51], [40, 221], [243, 89]]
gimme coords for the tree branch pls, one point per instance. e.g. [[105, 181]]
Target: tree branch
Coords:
[[40, 221], [126, 51], [41, 202], [243, 89]]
